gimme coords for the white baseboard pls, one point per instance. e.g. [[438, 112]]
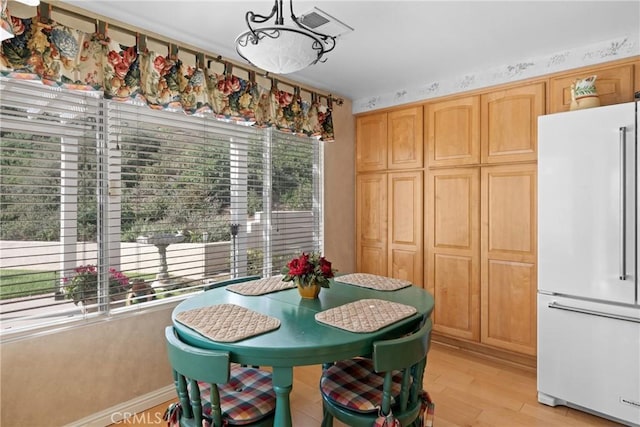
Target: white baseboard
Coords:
[[129, 409]]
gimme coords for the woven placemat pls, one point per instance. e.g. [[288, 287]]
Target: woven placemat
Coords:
[[372, 281], [261, 286], [227, 322], [365, 315]]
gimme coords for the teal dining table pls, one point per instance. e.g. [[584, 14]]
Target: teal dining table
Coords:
[[301, 339]]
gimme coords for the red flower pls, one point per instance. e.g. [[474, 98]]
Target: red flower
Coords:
[[284, 98], [159, 64], [300, 266], [308, 268], [325, 267]]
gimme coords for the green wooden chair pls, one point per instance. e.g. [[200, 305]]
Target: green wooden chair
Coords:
[[359, 391], [230, 282], [212, 389]]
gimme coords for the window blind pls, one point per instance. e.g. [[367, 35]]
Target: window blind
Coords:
[[148, 203]]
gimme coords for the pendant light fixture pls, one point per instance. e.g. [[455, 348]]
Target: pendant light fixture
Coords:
[[280, 48]]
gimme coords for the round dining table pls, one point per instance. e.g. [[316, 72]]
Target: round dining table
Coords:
[[301, 339]]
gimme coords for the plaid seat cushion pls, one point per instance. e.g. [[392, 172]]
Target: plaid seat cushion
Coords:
[[246, 398], [354, 385]]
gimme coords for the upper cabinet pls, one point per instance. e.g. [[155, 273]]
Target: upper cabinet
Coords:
[[404, 130], [452, 131], [391, 140], [614, 86], [371, 142], [509, 123]]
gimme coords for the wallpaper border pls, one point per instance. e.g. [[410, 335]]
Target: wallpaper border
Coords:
[[596, 53]]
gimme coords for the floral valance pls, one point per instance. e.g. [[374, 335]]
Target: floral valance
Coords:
[[59, 55]]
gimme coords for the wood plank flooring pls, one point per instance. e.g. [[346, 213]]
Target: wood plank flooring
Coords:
[[468, 390]]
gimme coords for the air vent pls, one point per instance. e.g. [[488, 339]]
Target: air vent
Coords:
[[321, 22]]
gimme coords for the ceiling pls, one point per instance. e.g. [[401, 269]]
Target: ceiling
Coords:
[[395, 44]]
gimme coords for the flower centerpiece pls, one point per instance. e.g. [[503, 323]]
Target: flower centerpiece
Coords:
[[309, 272], [83, 286]]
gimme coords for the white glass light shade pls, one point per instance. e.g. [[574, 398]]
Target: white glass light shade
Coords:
[[280, 50]]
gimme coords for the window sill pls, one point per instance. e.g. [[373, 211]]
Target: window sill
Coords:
[[8, 333]]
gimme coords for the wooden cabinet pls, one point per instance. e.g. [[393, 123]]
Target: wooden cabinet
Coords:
[[613, 84], [371, 223], [481, 254], [389, 213], [391, 140], [389, 201], [509, 123], [371, 142], [477, 203], [405, 226], [405, 140], [453, 250], [452, 130], [508, 257]]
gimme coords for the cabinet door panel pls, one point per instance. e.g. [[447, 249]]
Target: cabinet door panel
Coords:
[[405, 136], [508, 257], [509, 212], [614, 86], [510, 123], [509, 306], [372, 260], [405, 226], [453, 132], [456, 295], [452, 236], [406, 264], [371, 142], [371, 223]]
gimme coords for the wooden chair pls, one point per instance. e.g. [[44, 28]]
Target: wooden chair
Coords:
[[358, 391], [230, 282], [210, 388]]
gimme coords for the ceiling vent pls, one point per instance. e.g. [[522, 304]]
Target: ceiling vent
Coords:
[[320, 21]]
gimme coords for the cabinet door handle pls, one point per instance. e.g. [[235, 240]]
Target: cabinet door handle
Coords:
[[554, 304], [623, 203]]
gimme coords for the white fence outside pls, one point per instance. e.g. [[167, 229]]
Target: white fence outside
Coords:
[[193, 260]]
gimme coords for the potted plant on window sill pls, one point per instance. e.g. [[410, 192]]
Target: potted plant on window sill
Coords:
[[82, 287], [310, 272]]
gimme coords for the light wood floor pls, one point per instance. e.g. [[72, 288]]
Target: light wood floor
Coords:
[[468, 390]]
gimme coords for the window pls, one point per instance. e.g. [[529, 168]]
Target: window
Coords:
[[93, 191]]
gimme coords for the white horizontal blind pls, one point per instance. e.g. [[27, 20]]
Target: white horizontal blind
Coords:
[[173, 201], [48, 157]]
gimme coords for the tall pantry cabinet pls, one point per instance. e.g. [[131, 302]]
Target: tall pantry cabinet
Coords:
[[389, 201], [480, 216]]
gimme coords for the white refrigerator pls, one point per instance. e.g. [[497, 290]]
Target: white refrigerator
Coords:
[[588, 291]]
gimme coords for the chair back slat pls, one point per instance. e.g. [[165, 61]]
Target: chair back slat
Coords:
[[183, 394], [196, 400]]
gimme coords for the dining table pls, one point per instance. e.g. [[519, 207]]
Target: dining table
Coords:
[[300, 338]]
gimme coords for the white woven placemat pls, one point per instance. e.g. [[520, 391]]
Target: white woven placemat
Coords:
[[227, 322], [372, 281], [261, 286], [365, 315]]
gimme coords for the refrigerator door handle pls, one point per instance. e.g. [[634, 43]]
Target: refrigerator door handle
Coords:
[[554, 304], [623, 203]]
